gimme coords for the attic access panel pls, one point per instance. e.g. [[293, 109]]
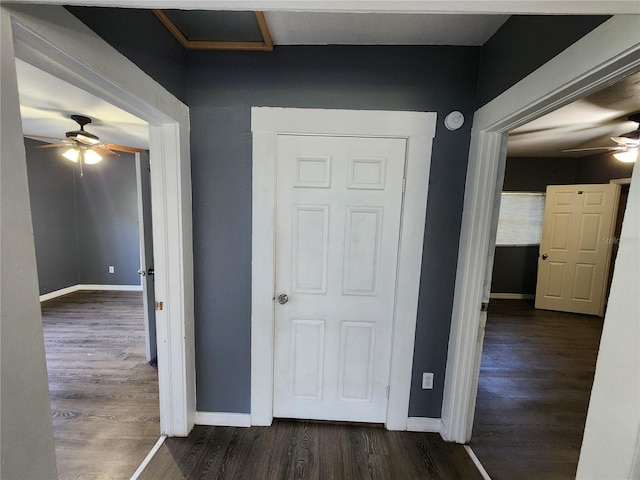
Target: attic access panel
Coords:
[[217, 30]]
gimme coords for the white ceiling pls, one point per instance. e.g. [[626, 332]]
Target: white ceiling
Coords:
[[315, 28], [588, 122], [46, 103]]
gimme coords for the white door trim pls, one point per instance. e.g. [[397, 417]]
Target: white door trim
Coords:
[[266, 123], [605, 55], [53, 40], [502, 7], [621, 181]]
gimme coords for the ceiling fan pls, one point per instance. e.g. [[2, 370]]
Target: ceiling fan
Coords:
[[627, 147], [84, 147]]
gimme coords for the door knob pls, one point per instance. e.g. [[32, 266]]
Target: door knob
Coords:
[[151, 271], [141, 272], [282, 298], [545, 256]]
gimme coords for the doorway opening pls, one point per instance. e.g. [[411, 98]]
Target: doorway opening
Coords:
[[88, 231], [554, 84], [536, 372], [53, 40], [537, 366]]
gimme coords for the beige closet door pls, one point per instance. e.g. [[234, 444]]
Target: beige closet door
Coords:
[[339, 202], [575, 250]]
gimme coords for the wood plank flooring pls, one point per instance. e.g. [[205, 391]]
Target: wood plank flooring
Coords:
[[104, 395], [291, 449], [535, 383], [536, 377]]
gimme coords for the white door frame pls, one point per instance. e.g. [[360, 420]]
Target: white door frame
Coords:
[[605, 55], [266, 123], [53, 40]]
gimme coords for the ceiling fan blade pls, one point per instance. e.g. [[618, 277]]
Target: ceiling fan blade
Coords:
[[83, 140], [124, 148], [54, 145], [105, 152], [626, 141], [618, 148], [43, 136]]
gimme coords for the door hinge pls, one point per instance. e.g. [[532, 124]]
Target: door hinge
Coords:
[[387, 391], [404, 184], [159, 306], [484, 306]]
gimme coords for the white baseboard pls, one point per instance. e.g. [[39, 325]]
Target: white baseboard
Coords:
[[223, 419], [123, 288], [148, 458], [512, 296], [424, 424], [76, 288], [59, 293], [477, 463]]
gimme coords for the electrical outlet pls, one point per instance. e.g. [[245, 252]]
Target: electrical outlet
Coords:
[[427, 381], [112, 269]]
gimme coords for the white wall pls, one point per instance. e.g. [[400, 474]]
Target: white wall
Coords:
[[610, 445], [26, 438]]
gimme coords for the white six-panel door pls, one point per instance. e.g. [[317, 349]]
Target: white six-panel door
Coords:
[[575, 248], [339, 202]]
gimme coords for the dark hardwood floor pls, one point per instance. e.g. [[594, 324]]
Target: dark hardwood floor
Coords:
[[535, 383], [292, 449], [104, 395], [536, 376]]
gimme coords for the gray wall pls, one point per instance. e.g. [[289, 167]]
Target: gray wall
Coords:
[[533, 174], [53, 212], [524, 43], [222, 88], [83, 225], [601, 169], [141, 37], [108, 232], [515, 269]]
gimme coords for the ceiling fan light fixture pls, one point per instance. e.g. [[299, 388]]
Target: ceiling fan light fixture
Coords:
[[91, 157], [72, 154], [629, 156]]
